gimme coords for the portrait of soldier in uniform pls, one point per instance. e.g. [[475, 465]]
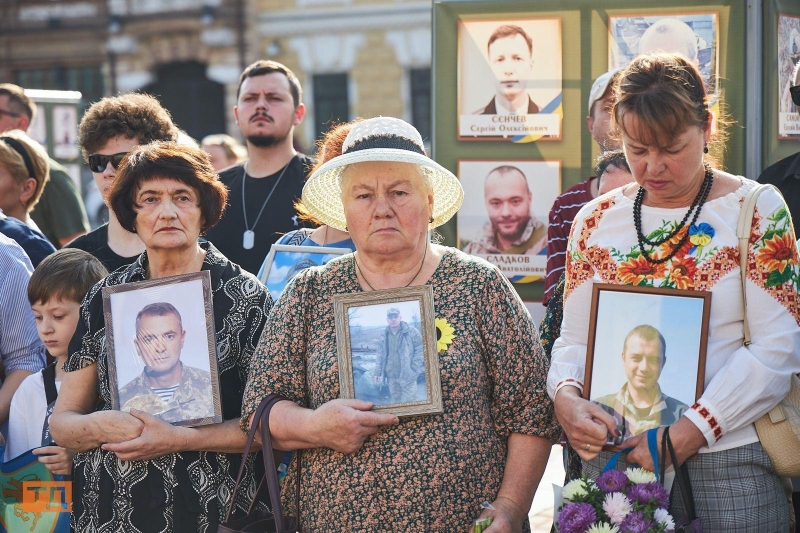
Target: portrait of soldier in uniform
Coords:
[[640, 404], [400, 359], [166, 388], [512, 227]]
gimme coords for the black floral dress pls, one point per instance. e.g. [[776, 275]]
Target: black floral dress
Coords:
[[428, 473], [188, 491]]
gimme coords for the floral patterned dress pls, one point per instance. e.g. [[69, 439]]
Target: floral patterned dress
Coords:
[[741, 383], [429, 473], [188, 491]]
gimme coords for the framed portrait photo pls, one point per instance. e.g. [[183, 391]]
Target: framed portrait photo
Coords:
[[386, 343], [162, 354], [788, 56], [695, 35], [509, 79], [505, 212], [646, 353], [284, 262]]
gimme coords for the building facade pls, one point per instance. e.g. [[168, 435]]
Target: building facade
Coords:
[[355, 58]]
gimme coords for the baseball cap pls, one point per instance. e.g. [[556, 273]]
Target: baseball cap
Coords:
[[599, 87], [393, 311]]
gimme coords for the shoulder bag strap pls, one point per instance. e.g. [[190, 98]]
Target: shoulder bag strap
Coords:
[[265, 405], [743, 230], [743, 233], [49, 378]]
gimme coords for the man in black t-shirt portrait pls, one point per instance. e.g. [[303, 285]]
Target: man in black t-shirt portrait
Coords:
[[264, 188]]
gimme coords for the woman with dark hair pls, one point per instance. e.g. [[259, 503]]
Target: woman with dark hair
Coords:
[[134, 470], [675, 227]]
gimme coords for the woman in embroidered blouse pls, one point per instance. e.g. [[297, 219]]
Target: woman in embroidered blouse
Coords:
[[665, 123], [369, 471], [134, 470]]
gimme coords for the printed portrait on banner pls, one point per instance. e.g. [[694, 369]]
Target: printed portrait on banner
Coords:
[[509, 79], [788, 58], [504, 215]]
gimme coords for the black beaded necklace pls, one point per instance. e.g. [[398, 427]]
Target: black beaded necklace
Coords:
[[696, 207]]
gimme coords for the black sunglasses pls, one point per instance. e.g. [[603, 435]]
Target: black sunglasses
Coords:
[[795, 92], [99, 162]]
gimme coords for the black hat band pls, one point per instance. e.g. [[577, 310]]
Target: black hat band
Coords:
[[394, 142]]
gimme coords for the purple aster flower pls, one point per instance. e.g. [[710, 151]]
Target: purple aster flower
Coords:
[[636, 522], [576, 518], [612, 481], [652, 492]]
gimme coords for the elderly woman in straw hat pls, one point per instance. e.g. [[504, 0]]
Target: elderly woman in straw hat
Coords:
[[365, 470]]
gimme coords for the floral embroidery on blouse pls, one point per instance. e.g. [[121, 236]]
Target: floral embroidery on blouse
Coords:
[[773, 261], [698, 264]]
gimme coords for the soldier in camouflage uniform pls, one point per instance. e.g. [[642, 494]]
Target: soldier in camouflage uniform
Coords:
[[400, 359], [166, 388], [640, 405]]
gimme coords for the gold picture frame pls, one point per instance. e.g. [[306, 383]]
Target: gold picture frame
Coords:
[[153, 325], [407, 384]]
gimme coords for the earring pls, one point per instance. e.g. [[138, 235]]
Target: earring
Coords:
[[705, 149], [345, 230], [430, 221]]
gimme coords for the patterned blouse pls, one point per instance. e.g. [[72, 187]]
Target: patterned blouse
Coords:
[[186, 491], [429, 473], [741, 383]]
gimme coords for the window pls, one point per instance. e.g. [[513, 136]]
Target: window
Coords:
[[331, 102], [420, 79], [86, 79]]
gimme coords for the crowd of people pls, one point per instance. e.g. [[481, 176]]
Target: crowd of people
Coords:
[[660, 212]]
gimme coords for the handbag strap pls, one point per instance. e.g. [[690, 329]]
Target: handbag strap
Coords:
[[681, 477], [264, 407], [271, 473], [743, 234], [652, 446], [614, 459]]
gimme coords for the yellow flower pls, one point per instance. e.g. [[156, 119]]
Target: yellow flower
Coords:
[[700, 240], [444, 334]]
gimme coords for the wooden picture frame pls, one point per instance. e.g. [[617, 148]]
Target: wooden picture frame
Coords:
[[151, 327], [408, 385], [297, 259], [627, 326]]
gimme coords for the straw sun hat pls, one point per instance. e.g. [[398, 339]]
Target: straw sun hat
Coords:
[[379, 139]]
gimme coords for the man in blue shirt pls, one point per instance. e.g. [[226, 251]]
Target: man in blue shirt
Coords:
[[20, 348]]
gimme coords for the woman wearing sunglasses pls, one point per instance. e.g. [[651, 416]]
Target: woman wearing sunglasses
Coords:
[[109, 130]]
